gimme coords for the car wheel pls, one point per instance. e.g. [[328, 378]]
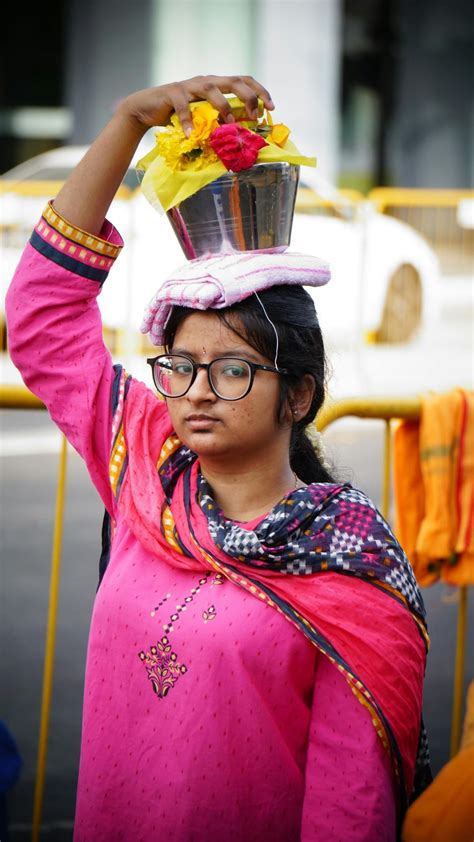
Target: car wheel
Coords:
[[401, 315]]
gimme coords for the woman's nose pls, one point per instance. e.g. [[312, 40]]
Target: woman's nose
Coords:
[[201, 389]]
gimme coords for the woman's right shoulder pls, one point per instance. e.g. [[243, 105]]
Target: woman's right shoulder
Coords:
[[138, 401]]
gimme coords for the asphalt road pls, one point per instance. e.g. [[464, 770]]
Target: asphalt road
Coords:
[[27, 507]]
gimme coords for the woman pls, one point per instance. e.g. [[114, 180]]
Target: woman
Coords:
[[257, 645]]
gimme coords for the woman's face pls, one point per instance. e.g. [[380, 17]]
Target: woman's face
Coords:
[[213, 427]]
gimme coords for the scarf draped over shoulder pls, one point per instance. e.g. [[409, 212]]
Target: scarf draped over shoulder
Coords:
[[324, 557]]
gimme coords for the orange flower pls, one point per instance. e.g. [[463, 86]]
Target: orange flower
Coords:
[[279, 134]]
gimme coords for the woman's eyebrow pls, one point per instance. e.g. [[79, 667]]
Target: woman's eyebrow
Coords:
[[226, 352]]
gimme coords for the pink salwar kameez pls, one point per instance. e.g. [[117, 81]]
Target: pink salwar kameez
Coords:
[[207, 715]]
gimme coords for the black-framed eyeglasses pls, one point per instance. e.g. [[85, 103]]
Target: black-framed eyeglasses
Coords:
[[230, 378]]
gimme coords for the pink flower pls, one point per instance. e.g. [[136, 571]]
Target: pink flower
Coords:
[[236, 146]]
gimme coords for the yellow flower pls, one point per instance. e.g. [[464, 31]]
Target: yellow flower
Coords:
[[170, 144], [279, 134], [205, 119], [179, 151], [207, 157]]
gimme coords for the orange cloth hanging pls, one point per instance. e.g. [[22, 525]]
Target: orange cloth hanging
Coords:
[[444, 812], [462, 573], [434, 488]]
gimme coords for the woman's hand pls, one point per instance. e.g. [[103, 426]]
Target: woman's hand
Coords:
[[86, 196], [154, 106]]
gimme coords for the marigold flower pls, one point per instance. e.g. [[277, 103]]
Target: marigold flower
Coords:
[[236, 146], [181, 152], [169, 146]]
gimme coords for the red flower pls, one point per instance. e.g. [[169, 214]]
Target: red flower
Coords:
[[236, 146]]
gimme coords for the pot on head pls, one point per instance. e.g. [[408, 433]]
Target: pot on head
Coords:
[[244, 211]]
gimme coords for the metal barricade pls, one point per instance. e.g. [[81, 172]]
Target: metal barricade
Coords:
[[18, 397], [384, 409], [338, 203], [437, 215]]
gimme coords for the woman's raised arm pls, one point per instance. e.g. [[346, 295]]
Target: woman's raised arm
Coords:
[[54, 325], [87, 194]]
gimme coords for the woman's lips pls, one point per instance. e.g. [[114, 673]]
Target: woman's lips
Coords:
[[200, 422]]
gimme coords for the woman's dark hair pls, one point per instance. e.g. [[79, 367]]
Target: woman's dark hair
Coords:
[[300, 352]]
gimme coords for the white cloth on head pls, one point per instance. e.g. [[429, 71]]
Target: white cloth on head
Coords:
[[222, 280]]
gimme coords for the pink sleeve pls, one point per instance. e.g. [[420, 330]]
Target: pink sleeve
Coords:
[[55, 334], [349, 785]]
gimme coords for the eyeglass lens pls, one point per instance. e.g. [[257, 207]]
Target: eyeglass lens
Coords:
[[229, 377]]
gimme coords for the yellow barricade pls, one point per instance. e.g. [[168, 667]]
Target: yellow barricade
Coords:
[[437, 215], [385, 409], [310, 202], [47, 188]]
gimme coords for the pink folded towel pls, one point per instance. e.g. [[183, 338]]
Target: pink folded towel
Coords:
[[223, 280]]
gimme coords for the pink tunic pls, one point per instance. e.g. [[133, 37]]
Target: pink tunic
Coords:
[[207, 715]]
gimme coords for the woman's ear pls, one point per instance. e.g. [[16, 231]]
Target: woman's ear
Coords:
[[300, 398]]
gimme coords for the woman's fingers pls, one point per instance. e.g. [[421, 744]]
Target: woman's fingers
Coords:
[[245, 87], [250, 91], [212, 89], [180, 103]]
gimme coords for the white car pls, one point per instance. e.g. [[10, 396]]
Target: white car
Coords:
[[385, 276]]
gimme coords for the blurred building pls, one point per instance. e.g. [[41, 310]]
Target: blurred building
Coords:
[[380, 90]]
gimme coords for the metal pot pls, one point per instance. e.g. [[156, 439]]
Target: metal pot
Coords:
[[248, 210]]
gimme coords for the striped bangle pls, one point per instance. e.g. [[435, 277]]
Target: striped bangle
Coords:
[[82, 253]]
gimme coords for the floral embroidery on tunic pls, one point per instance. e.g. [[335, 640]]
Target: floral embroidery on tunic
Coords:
[[160, 662], [210, 614], [218, 579], [162, 667]]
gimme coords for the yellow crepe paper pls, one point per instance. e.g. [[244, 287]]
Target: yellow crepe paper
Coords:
[[239, 110], [169, 178]]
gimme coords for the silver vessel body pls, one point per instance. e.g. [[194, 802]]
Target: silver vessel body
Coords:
[[248, 210]]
